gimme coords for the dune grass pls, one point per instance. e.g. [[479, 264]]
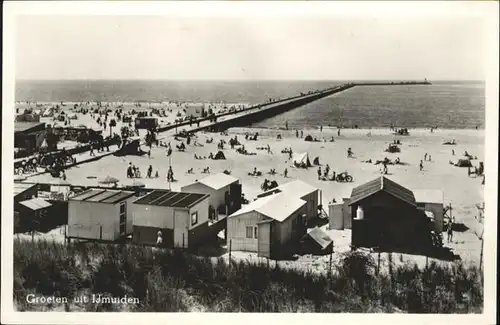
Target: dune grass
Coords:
[[174, 281]]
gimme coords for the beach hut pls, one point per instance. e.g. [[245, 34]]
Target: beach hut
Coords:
[[302, 190], [181, 217], [339, 213], [386, 216], [431, 201], [100, 214], [316, 242], [224, 191], [31, 213], [23, 192], [270, 226]]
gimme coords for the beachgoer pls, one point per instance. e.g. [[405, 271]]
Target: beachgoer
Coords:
[[452, 152], [321, 128], [149, 153], [150, 171], [319, 172], [421, 165], [430, 158], [156, 175], [268, 148], [159, 239], [450, 232], [63, 175], [425, 156], [285, 173], [349, 153], [301, 133], [296, 133], [338, 132]]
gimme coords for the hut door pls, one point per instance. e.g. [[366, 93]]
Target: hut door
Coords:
[[181, 226], [264, 239], [235, 197]]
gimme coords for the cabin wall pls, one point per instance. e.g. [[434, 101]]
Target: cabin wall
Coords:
[[130, 214], [217, 197], [152, 216], [437, 210], [236, 231], [336, 216], [312, 200], [85, 220], [202, 209], [347, 214]]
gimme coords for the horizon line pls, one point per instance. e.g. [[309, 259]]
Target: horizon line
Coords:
[[243, 80]]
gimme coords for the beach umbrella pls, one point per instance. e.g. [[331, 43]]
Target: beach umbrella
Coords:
[[109, 180]]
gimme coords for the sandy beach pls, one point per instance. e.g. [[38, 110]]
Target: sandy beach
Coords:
[[462, 191]]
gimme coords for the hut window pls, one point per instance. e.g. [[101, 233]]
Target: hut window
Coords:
[[194, 218], [249, 232], [256, 232]]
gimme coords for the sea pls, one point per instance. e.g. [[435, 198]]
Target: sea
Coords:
[[445, 104]]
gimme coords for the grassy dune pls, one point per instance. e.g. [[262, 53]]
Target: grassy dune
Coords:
[[173, 281]]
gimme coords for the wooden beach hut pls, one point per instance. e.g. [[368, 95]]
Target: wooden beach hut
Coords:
[[271, 226], [224, 191], [182, 218], [100, 214], [302, 190], [386, 216]]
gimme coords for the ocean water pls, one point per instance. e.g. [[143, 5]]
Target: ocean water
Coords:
[[443, 104]]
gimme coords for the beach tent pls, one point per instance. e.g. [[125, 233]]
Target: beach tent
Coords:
[[316, 242], [219, 156], [463, 163], [299, 158]]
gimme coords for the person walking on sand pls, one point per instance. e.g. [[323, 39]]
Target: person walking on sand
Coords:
[[425, 156], [301, 134], [296, 133], [319, 172], [285, 173], [150, 171], [430, 158], [421, 165], [321, 128], [338, 132], [450, 232], [149, 153], [290, 153], [452, 152]]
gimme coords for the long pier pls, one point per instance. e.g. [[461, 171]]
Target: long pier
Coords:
[[263, 111]]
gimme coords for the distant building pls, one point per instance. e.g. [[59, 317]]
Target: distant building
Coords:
[[390, 219], [339, 214], [181, 217], [146, 122], [271, 226], [302, 190], [29, 135], [224, 191], [100, 214]]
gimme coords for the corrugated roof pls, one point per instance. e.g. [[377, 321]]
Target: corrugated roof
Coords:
[[295, 188], [429, 196], [167, 198], [382, 184], [278, 207], [218, 181], [25, 126], [36, 204], [102, 196], [320, 237], [21, 187]]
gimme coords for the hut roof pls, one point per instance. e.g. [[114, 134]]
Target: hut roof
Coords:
[[382, 184], [320, 237], [26, 127], [36, 204], [102, 196], [218, 181], [278, 207], [429, 196], [167, 198]]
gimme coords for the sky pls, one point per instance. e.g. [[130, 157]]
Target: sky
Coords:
[[249, 48]]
